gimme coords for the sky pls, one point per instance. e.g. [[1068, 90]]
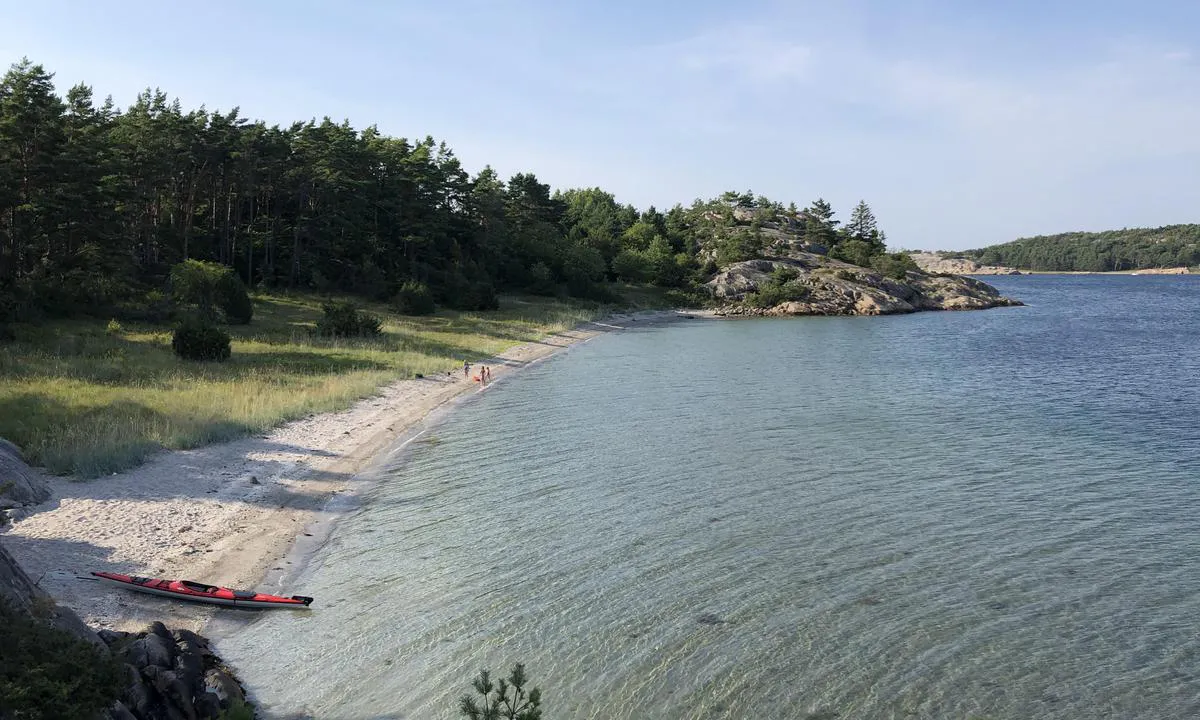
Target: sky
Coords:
[[961, 123]]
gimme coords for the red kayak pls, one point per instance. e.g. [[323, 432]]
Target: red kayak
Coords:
[[199, 592]]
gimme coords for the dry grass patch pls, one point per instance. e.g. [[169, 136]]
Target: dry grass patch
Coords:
[[83, 398]]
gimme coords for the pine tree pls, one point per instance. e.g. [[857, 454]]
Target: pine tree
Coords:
[[820, 228], [863, 227]]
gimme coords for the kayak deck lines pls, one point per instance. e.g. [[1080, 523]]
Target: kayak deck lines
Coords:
[[200, 592]]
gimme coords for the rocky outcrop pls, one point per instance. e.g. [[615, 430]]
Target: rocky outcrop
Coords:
[[19, 483], [22, 593], [173, 674], [823, 286], [937, 263]]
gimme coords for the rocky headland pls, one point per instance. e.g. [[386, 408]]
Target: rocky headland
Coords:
[[815, 284]]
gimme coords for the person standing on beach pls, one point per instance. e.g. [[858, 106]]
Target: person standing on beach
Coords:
[[466, 369], [483, 374]]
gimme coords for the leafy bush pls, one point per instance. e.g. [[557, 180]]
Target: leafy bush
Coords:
[[631, 265], [687, 297], [414, 298], [206, 286], [113, 327], [772, 295], [482, 296], [344, 319], [152, 307], [894, 265], [499, 702], [237, 710], [783, 285], [583, 268], [49, 673], [855, 252], [198, 339], [234, 300], [743, 245], [784, 274], [541, 280], [843, 274]]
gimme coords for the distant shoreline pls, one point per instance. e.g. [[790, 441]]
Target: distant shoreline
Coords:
[[1145, 271]]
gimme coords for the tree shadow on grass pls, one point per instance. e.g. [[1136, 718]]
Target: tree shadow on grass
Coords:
[[118, 361], [93, 441]]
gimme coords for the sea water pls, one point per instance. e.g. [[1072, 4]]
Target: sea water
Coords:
[[941, 515]]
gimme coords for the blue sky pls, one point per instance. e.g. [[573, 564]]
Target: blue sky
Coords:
[[962, 124]]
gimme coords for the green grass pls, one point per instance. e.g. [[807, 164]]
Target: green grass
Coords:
[[81, 398]]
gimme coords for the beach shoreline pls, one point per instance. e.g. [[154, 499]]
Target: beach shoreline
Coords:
[[246, 513]]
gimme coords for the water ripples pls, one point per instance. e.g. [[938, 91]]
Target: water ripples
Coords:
[[940, 515]]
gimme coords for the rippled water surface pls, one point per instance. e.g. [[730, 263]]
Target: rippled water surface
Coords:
[[942, 515]]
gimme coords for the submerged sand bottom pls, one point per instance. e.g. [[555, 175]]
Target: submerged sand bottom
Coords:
[[228, 514]]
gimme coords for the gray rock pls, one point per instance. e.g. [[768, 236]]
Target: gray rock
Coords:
[[119, 712], [151, 651], [112, 637], [19, 483], [180, 696], [190, 669], [19, 590], [221, 684], [137, 696], [189, 641], [208, 706], [160, 630], [194, 649], [158, 678]]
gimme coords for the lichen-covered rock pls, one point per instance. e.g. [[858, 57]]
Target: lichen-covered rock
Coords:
[[824, 286]]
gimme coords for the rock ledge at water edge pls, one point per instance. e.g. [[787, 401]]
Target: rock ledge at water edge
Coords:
[[831, 287]]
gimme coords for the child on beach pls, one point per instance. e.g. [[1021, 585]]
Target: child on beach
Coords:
[[466, 369]]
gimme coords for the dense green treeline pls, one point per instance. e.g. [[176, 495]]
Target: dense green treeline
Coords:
[[1136, 249], [97, 204]]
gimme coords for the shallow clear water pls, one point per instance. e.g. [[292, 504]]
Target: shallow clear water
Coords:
[[988, 514]]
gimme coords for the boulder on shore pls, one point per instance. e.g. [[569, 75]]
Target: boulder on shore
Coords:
[[173, 674], [19, 483]]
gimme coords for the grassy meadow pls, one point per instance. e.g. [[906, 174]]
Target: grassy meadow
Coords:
[[88, 398]]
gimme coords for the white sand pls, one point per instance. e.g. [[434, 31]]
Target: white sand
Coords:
[[229, 513]]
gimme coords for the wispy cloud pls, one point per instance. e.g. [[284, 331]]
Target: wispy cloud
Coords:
[[743, 54]]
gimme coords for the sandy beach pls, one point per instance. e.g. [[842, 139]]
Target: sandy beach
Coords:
[[231, 513]]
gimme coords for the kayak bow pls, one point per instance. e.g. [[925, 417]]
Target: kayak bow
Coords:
[[199, 592]]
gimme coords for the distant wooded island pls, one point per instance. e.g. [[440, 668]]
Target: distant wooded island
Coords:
[[1170, 246]]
